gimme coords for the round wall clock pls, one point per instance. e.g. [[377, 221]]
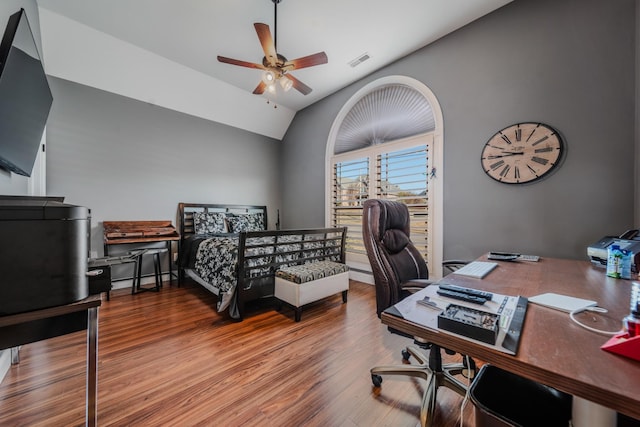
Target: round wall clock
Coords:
[[522, 153]]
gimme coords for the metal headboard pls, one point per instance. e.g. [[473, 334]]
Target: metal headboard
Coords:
[[186, 210]]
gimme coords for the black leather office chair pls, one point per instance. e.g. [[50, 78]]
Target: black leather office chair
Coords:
[[398, 269]]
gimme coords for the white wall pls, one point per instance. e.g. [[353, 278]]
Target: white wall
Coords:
[[78, 53]]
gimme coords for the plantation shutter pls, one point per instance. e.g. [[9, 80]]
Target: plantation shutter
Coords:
[[350, 190], [395, 171], [402, 176]]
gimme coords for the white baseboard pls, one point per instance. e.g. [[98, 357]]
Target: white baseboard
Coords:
[[361, 276]]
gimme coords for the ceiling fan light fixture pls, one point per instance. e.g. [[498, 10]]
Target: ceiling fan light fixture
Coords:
[[269, 77], [286, 84]]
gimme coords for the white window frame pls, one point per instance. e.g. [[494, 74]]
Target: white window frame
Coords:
[[360, 267]]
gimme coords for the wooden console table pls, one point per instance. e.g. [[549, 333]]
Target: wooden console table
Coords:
[[140, 232], [37, 325]]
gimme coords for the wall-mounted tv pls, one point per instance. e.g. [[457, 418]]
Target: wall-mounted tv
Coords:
[[25, 97]]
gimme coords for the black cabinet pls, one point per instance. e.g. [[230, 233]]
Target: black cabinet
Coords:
[[100, 280]]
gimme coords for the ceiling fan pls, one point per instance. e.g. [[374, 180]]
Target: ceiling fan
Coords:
[[275, 66]]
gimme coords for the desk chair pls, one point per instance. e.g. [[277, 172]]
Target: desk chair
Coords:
[[399, 269]]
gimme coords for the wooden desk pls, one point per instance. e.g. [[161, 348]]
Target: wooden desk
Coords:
[[140, 232], [553, 350], [24, 328]]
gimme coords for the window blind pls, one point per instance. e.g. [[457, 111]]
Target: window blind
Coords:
[[350, 190], [385, 173], [402, 176]]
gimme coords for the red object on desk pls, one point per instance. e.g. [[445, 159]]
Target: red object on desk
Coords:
[[623, 345]]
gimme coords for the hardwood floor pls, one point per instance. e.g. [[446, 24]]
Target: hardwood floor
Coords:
[[169, 358]]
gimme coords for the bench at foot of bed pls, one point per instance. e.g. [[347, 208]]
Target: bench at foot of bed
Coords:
[[306, 283]]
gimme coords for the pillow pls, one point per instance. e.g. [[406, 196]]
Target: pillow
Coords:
[[245, 222], [209, 222]]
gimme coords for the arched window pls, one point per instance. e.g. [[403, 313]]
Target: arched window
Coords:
[[386, 142]]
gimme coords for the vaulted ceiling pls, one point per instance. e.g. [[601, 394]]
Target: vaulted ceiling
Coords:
[[164, 52]]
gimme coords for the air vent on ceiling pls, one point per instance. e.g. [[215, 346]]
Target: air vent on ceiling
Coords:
[[359, 60]]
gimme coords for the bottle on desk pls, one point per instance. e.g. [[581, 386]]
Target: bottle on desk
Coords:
[[619, 262], [632, 321]]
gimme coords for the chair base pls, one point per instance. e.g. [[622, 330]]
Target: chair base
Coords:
[[429, 368]]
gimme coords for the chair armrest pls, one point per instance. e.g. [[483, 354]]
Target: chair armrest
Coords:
[[455, 261], [415, 285], [451, 265]]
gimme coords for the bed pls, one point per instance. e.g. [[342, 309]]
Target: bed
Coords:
[[229, 251]]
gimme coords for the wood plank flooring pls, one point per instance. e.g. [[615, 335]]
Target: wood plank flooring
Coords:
[[169, 358]]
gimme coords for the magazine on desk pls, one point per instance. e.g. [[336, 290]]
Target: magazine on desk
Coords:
[[510, 309]]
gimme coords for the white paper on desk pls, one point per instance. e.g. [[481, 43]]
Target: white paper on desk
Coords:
[[417, 313], [502, 305]]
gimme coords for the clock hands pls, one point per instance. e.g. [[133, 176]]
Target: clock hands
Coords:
[[506, 154]]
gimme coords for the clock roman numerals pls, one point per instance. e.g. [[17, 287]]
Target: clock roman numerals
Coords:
[[544, 150], [539, 160], [531, 134], [505, 138], [544, 138], [497, 165]]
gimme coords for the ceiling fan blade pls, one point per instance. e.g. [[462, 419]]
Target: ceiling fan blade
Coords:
[[269, 48], [240, 63], [306, 61], [259, 90], [298, 85]]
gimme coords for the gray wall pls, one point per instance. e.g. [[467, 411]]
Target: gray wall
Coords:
[[568, 63], [11, 183], [128, 160]]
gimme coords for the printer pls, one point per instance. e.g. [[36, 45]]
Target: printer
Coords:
[[43, 254], [629, 241]]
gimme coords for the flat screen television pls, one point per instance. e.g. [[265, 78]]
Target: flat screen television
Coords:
[[25, 97]]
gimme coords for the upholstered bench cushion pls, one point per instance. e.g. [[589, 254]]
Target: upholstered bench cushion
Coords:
[[311, 271], [302, 284]]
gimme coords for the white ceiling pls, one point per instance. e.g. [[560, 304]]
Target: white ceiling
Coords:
[[164, 51]]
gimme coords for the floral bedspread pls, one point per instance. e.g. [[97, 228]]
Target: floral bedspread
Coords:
[[216, 263]]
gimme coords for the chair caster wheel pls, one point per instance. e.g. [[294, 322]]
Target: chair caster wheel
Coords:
[[405, 355], [376, 380]]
